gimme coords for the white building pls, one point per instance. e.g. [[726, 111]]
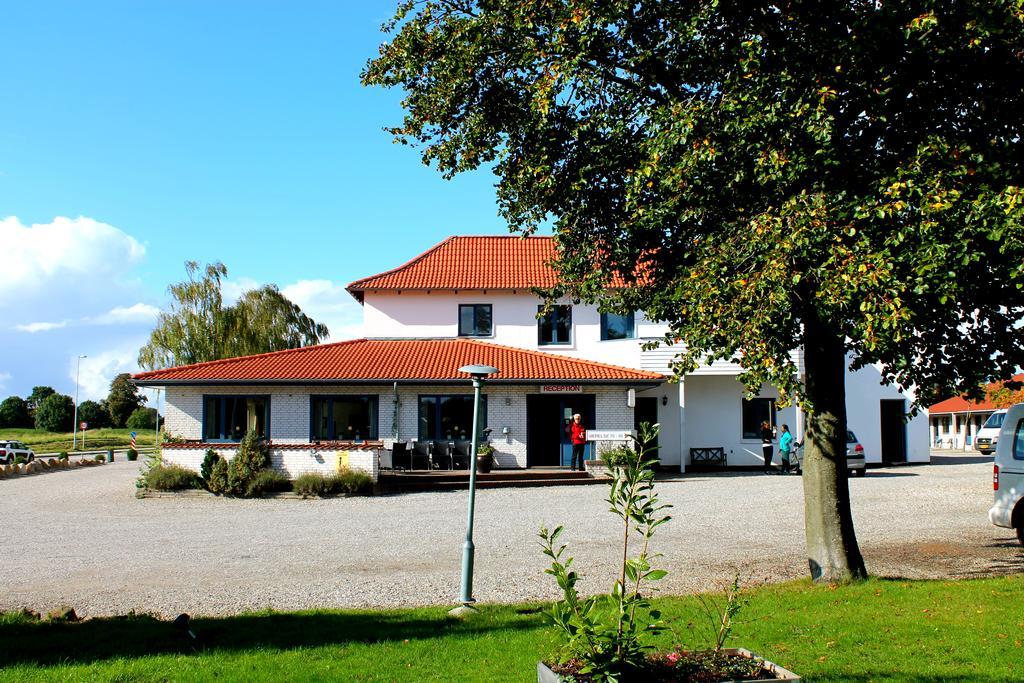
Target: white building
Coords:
[[470, 300]]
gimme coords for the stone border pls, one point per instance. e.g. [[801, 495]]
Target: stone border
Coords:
[[280, 495]]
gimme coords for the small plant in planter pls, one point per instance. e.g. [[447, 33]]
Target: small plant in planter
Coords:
[[607, 637], [484, 457]]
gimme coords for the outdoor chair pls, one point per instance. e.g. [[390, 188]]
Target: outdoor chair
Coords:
[[396, 458], [422, 452], [443, 455], [460, 456]]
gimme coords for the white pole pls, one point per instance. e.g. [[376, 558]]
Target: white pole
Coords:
[[156, 435], [74, 433]]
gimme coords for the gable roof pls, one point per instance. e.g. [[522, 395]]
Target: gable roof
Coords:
[[471, 262], [378, 361], [959, 404]]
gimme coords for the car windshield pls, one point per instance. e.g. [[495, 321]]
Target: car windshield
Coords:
[[995, 421], [850, 437]]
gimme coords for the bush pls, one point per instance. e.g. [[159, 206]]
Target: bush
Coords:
[[620, 456], [209, 460], [218, 481], [63, 455], [354, 482], [312, 484], [268, 481], [132, 455], [252, 458], [20, 460], [346, 481], [171, 478], [142, 418]]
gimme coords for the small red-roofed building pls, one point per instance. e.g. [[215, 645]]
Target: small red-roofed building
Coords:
[[954, 422]]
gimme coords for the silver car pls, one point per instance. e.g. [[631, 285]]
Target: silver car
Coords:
[[9, 450], [855, 455]]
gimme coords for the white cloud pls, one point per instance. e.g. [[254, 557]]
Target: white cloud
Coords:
[[127, 315], [99, 369], [32, 328], [64, 252], [232, 290], [327, 302]]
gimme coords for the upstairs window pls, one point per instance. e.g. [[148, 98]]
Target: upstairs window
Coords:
[[343, 418], [555, 326], [230, 418], [475, 320], [615, 326], [756, 411]]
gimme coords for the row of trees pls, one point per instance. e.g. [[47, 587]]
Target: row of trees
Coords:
[[45, 409]]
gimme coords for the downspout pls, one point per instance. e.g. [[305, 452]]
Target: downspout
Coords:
[[394, 416]]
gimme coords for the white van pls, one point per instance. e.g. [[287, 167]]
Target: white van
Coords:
[[1008, 474], [988, 435]]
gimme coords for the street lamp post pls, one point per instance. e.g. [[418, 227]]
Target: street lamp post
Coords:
[[478, 373], [74, 433]]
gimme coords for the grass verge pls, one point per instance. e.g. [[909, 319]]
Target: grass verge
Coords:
[[880, 630], [95, 439]]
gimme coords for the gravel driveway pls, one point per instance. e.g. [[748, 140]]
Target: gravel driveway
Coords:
[[80, 538]]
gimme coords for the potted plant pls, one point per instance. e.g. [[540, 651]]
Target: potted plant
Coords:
[[607, 637], [484, 457]]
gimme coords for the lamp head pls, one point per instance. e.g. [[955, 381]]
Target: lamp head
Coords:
[[479, 371]]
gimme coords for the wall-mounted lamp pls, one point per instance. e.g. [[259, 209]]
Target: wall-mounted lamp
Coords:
[[664, 400], [631, 398], [505, 430]]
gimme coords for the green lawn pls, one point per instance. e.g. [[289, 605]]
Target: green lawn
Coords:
[[55, 442], [880, 630]]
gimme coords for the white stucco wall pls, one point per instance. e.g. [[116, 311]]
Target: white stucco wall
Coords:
[[863, 415]]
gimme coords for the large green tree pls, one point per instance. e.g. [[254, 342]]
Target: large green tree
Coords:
[[96, 415], [200, 327], [55, 413], [14, 412], [841, 178], [123, 400], [38, 395]]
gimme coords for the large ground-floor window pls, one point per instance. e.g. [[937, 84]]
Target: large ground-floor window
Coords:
[[449, 417], [343, 418], [756, 411], [230, 418]]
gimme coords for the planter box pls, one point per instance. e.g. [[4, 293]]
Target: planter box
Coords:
[[546, 675], [598, 468]]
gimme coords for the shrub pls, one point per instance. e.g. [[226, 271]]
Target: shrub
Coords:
[[354, 482], [142, 418], [100, 458], [620, 456], [171, 478], [20, 460], [132, 455], [63, 455], [209, 460], [268, 481], [218, 481], [312, 484], [252, 458]]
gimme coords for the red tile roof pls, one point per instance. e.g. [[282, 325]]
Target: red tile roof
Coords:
[[959, 404], [484, 262], [388, 360]]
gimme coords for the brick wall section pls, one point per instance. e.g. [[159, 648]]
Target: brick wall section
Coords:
[[291, 461], [290, 414]]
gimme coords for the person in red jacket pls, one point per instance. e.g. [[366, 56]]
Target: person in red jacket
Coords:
[[578, 435]]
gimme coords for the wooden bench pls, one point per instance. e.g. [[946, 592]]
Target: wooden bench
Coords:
[[707, 456]]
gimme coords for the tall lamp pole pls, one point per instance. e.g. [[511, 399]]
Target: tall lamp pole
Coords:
[[478, 373], [74, 433]]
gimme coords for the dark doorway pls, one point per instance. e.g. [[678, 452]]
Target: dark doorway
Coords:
[[547, 443], [894, 430], [646, 410]]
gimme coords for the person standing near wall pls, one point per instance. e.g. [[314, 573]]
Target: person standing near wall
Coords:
[[578, 436], [785, 448], [767, 447]]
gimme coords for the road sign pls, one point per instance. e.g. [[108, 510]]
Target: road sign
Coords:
[[83, 425]]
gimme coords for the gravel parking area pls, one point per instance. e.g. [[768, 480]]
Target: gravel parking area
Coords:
[[80, 538]]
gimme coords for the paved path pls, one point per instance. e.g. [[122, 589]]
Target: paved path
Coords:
[[80, 538]]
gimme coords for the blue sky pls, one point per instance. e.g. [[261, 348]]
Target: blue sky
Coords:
[[138, 135]]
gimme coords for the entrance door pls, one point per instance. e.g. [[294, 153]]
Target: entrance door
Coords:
[[547, 444], [646, 410], [894, 430]]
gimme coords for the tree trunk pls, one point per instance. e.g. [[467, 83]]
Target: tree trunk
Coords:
[[832, 551]]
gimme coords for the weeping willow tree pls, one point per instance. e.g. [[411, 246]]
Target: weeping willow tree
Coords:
[[198, 326], [838, 177]]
